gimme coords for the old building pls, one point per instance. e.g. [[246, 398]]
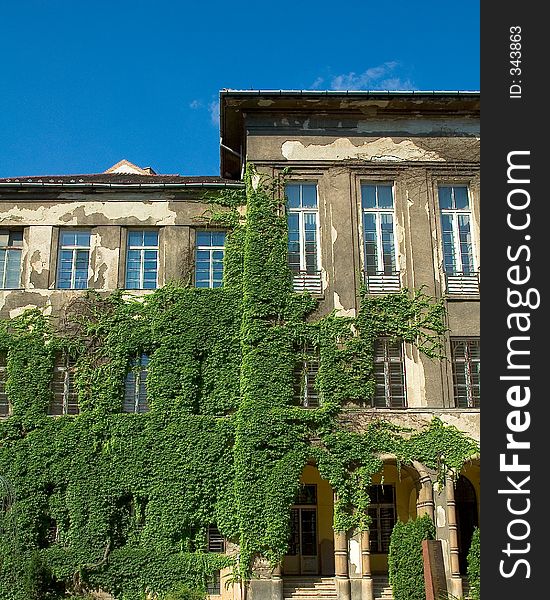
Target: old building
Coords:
[[382, 194]]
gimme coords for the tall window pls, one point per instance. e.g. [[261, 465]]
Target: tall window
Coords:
[[209, 259], [454, 204], [378, 229], [466, 372], [73, 259], [389, 374], [4, 404], [142, 259], [11, 243], [383, 517], [64, 399], [305, 372], [135, 388], [303, 221]]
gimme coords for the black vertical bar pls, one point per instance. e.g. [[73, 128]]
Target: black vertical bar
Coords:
[[514, 553]]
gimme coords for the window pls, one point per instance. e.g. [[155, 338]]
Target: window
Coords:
[[382, 513], [381, 274], [216, 543], [4, 404], [209, 259], [388, 374], [64, 396], [303, 236], [11, 243], [458, 255], [466, 372], [135, 389], [142, 259], [305, 372], [73, 259], [213, 586]]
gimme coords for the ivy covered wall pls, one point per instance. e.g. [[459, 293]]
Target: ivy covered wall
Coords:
[[131, 495]]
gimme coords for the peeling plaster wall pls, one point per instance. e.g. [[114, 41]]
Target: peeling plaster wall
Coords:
[[415, 154], [107, 215]]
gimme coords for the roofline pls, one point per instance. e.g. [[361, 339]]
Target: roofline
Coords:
[[441, 93], [36, 184]]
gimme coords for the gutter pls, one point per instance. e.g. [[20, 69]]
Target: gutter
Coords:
[[237, 185]]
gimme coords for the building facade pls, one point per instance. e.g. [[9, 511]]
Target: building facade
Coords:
[[382, 195]]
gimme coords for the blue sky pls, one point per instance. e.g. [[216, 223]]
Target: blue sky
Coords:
[[85, 84]]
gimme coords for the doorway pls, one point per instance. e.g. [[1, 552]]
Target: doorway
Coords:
[[467, 519], [302, 557]]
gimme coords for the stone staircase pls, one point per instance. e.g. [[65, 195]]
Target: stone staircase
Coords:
[[382, 588], [309, 588]]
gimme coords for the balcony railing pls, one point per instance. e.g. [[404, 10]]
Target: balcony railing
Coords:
[[382, 282], [307, 282], [462, 284]]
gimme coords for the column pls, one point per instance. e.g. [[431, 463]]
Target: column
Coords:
[[425, 502], [456, 579], [367, 588], [277, 584], [343, 587]]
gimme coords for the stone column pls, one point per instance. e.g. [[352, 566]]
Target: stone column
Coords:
[[367, 588], [425, 502], [343, 587], [277, 584], [456, 579]]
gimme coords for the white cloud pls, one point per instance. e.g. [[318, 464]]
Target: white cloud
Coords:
[[381, 77], [214, 110], [316, 84], [195, 104]]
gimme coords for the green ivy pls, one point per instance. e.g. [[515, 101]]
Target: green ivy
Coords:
[[473, 570], [405, 563], [132, 495]]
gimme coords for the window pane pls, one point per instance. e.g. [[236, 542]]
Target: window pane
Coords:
[[150, 238], [135, 237], [293, 195], [368, 196], [16, 238], [218, 238], [83, 238], [309, 195], [445, 197], [68, 238], [385, 196], [461, 197], [13, 268], [204, 238]]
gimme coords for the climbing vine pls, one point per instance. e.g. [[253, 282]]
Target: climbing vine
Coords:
[[121, 501]]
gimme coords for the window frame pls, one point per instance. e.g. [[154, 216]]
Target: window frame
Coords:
[[74, 249], [142, 249], [387, 361], [306, 369], [378, 212], [301, 211], [472, 401], [9, 250], [210, 250], [66, 364], [136, 369], [455, 213]]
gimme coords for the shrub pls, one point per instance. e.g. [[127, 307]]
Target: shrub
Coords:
[[473, 566], [406, 566]]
